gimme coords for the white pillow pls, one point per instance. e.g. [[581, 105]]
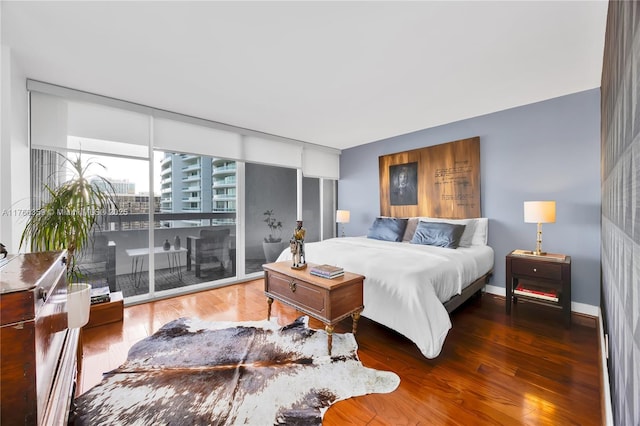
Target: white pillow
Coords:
[[475, 230]]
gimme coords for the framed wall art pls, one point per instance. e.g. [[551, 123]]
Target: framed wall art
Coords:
[[436, 181], [403, 184]]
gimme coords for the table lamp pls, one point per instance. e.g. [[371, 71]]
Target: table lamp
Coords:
[[342, 216], [539, 212]]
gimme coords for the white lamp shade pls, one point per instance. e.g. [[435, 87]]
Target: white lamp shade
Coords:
[[539, 211], [343, 216]]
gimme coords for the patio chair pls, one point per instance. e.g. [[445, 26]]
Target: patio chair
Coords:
[[210, 250]]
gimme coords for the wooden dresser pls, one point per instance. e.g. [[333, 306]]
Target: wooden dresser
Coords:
[[38, 353]]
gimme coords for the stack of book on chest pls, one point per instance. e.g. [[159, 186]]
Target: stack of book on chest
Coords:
[[326, 271]]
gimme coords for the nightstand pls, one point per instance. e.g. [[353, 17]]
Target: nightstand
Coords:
[[540, 279]]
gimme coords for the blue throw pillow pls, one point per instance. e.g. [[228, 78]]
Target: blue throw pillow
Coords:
[[387, 229], [439, 234]]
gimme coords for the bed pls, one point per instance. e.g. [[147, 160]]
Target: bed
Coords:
[[411, 286]]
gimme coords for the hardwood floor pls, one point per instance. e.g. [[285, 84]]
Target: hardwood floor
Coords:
[[494, 369]]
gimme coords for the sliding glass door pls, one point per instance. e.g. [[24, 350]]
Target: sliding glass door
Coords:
[[195, 241], [270, 213]]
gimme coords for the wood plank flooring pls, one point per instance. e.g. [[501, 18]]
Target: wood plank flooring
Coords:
[[494, 369]]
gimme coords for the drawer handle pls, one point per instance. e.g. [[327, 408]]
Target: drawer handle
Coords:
[[292, 286], [42, 294], [535, 270]]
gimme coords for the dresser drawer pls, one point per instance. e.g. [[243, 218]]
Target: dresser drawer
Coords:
[[306, 296], [530, 269]]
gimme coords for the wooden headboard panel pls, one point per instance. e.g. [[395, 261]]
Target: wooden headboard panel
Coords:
[[436, 181]]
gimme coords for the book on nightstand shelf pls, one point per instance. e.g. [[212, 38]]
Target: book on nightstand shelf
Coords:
[[326, 271], [537, 292]]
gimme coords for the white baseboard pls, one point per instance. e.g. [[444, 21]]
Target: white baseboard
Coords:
[[494, 289], [581, 308]]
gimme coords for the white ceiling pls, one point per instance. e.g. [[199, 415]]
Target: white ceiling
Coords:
[[334, 73]]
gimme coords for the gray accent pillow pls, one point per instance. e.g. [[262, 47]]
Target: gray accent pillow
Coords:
[[439, 234], [412, 223], [387, 229]]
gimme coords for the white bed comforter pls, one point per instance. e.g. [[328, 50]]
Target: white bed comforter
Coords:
[[405, 284]]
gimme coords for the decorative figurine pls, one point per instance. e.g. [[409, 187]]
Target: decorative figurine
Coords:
[[297, 246]]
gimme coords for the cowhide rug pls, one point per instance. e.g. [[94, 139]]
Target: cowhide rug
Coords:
[[193, 372]]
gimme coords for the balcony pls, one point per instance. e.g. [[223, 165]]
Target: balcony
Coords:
[[224, 170], [223, 184], [191, 167], [192, 178]]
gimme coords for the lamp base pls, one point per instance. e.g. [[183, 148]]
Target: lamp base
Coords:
[[533, 252]]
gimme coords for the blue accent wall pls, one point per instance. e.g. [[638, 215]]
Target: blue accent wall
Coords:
[[548, 150]]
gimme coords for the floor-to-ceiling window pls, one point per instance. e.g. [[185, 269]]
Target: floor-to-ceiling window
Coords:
[[215, 196], [111, 144], [270, 214]]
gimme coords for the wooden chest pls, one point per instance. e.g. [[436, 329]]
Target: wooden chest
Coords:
[[38, 353], [107, 312], [328, 300]]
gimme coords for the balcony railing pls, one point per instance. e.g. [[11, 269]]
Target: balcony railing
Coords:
[[224, 170], [117, 222], [131, 232], [191, 167]]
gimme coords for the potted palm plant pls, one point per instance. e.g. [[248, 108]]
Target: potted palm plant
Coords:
[[272, 244], [67, 220]]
